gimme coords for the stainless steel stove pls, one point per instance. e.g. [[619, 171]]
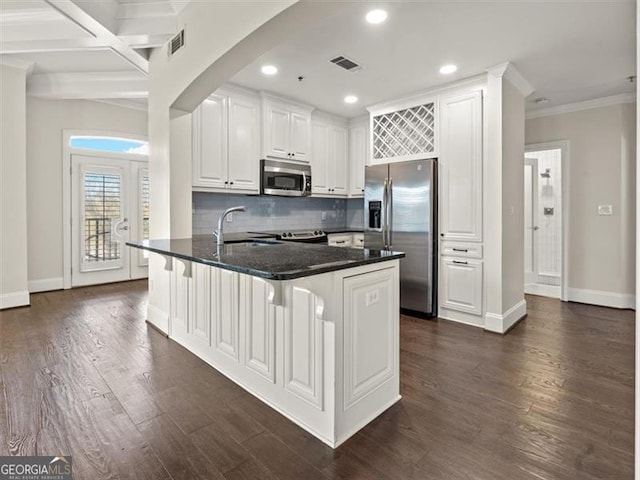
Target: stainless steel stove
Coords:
[[304, 236]]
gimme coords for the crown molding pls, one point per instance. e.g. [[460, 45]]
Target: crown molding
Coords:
[[511, 73], [579, 106]]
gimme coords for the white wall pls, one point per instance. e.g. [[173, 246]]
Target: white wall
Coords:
[[504, 201], [601, 172], [13, 189], [46, 119]]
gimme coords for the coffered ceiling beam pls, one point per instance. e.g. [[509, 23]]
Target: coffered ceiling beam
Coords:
[[53, 45], [95, 85], [99, 21]]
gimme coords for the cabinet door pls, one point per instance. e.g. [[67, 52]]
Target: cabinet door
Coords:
[[226, 311], [209, 133], [319, 158], [300, 141], [462, 285], [303, 347], [461, 167], [371, 314], [338, 177], [276, 130], [200, 314], [357, 157], [244, 147]]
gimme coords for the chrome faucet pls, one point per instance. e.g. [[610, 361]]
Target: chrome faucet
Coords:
[[218, 233]]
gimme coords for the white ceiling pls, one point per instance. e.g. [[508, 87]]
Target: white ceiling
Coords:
[[80, 37], [569, 51]]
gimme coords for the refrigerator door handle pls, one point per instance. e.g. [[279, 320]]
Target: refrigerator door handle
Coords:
[[390, 213], [385, 201]]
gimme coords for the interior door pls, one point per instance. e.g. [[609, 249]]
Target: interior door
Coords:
[[110, 198], [530, 220]]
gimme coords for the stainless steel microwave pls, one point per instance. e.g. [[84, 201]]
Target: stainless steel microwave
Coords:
[[285, 178]]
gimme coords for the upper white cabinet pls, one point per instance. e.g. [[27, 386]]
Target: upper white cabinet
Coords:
[[404, 131], [226, 147], [286, 129], [329, 162], [460, 166], [358, 153], [209, 132]]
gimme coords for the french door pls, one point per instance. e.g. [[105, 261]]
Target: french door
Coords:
[[109, 205]]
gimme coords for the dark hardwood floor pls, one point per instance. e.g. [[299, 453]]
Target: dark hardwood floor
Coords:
[[82, 374]]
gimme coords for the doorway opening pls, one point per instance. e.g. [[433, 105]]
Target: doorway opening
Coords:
[[106, 203], [545, 220]]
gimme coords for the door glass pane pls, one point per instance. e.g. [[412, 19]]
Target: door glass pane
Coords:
[[102, 209], [144, 202]]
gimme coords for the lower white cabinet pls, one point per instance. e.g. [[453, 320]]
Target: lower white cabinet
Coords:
[[322, 350], [462, 285], [353, 240]]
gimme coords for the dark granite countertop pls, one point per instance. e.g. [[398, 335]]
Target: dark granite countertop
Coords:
[[266, 258], [328, 231]]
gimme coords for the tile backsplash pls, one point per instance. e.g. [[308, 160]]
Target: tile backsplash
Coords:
[[266, 213]]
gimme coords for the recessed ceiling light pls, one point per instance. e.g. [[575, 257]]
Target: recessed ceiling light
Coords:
[[269, 70], [376, 16], [350, 99], [448, 69]]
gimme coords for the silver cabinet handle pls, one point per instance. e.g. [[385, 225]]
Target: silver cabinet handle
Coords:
[[460, 263], [460, 249]]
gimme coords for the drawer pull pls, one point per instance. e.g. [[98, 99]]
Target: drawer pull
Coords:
[[460, 249], [460, 263], [341, 241]]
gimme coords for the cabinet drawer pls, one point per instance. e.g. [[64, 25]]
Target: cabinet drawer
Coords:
[[462, 285], [451, 249], [358, 240], [340, 240]]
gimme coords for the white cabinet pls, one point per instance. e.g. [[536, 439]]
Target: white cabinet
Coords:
[[461, 287], [286, 129], [226, 147], [323, 350], [329, 164], [358, 152], [370, 333], [340, 240], [209, 134], [460, 167]]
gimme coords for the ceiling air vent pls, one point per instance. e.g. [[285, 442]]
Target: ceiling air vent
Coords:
[[176, 43], [346, 63]]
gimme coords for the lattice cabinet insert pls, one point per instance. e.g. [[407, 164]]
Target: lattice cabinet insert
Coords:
[[405, 133]]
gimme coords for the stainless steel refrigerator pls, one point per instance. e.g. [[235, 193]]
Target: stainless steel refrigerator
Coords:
[[400, 210]]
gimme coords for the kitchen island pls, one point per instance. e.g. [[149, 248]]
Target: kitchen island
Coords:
[[311, 330]]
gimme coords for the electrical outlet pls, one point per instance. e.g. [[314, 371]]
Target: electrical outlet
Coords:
[[605, 209], [229, 217], [372, 297], [323, 215]]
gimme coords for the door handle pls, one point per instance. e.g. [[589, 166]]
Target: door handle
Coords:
[[384, 215], [390, 214]]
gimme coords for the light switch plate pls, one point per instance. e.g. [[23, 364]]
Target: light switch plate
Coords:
[[605, 209]]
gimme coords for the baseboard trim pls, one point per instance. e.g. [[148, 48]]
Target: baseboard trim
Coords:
[[603, 299], [553, 291], [14, 299], [158, 319], [502, 323], [45, 285]]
